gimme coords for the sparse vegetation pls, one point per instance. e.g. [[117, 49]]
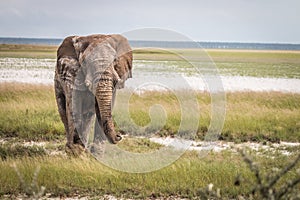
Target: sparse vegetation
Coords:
[[41, 168], [186, 178], [29, 112], [27, 51], [278, 64], [266, 186]]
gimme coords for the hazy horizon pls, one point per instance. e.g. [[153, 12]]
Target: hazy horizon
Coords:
[[44, 38]]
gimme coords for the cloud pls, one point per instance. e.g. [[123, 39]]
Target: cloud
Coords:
[[205, 20]]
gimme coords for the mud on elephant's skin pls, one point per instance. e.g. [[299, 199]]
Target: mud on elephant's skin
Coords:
[[67, 66], [123, 52], [88, 71]]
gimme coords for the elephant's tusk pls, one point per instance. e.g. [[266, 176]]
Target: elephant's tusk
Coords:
[[88, 84]]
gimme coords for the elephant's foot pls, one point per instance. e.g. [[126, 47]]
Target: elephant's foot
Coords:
[[77, 140], [97, 149], [74, 149]]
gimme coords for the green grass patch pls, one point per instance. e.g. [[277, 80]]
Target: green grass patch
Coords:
[[278, 64], [138, 145], [85, 176], [262, 116], [29, 112], [18, 150], [250, 116], [27, 51]]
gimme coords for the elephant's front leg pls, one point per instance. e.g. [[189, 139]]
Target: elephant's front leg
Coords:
[[73, 146], [77, 101], [97, 148], [61, 103], [84, 113], [71, 127]]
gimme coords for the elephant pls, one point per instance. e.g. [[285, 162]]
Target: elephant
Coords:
[[88, 71]]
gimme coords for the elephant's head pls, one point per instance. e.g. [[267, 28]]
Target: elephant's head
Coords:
[[123, 52], [104, 71]]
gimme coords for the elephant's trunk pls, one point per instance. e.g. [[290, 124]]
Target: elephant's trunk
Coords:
[[104, 91]]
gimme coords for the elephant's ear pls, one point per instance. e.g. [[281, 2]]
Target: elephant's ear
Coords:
[[123, 65], [123, 61], [67, 67]]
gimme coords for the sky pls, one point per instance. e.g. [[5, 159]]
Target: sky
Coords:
[[270, 21]]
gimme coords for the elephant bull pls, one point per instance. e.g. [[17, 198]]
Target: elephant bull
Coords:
[[88, 71]]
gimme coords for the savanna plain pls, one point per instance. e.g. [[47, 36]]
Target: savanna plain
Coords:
[[32, 138]]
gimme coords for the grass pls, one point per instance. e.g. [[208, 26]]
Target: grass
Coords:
[[11, 150], [278, 64], [86, 176], [138, 145], [186, 177], [269, 64], [27, 51], [250, 116], [219, 55], [29, 112], [262, 116]]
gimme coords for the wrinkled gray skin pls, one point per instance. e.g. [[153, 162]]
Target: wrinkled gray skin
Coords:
[[88, 71]]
